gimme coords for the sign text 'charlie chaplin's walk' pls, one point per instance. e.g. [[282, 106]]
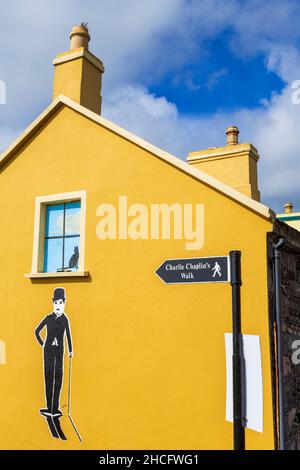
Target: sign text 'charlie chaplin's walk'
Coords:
[[195, 270]]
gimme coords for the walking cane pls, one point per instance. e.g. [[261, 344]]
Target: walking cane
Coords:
[[69, 400]]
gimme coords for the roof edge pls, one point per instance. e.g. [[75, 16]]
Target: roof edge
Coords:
[[26, 134], [251, 204]]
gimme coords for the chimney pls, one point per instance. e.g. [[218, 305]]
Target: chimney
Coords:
[[78, 73], [80, 37], [232, 134], [235, 164], [288, 208]]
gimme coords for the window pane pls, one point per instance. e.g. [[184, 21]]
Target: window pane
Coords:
[[54, 220], [72, 253], [72, 222], [53, 255]]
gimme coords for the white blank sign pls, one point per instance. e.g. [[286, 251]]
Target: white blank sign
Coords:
[[254, 390]]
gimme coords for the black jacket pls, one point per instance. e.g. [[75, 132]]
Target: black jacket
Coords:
[[56, 328]]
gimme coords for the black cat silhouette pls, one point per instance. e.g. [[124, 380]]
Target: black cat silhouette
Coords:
[[73, 263]]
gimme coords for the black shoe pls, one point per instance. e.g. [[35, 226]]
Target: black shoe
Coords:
[[45, 412]]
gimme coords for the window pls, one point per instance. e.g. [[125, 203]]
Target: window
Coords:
[[62, 237], [59, 233]]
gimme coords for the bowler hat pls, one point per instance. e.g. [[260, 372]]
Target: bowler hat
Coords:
[[59, 293]]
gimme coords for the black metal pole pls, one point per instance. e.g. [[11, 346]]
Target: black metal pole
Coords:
[[238, 370]]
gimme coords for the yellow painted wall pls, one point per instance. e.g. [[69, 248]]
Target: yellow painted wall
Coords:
[[149, 359]]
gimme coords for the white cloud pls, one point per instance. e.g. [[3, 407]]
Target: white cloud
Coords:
[[273, 129], [284, 61], [7, 135], [215, 77], [139, 42]]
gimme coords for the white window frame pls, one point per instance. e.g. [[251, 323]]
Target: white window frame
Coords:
[[39, 233]]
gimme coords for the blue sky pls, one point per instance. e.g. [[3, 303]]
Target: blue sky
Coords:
[[178, 72], [218, 81]]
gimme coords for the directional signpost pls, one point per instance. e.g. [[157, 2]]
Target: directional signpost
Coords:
[[218, 269], [195, 270]]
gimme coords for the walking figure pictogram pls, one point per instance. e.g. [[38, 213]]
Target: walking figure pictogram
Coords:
[[216, 269]]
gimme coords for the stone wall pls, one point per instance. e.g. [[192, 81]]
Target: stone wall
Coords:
[[290, 305]]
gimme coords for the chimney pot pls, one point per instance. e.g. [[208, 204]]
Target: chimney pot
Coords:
[[80, 37], [78, 72], [288, 208], [232, 135]]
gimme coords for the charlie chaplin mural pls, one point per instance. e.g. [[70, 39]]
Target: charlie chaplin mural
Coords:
[[57, 328]]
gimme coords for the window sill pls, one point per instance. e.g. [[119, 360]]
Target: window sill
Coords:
[[61, 274]]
